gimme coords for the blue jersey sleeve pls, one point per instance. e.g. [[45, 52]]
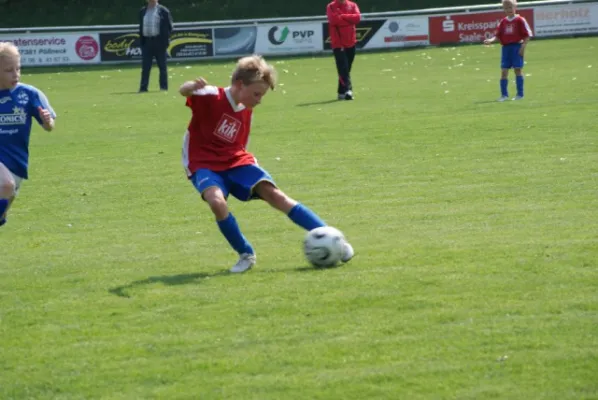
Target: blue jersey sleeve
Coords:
[[39, 99]]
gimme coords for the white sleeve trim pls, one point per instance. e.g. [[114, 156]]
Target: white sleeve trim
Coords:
[[206, 91]]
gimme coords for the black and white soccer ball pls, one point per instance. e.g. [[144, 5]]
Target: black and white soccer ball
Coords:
[[323, 246]]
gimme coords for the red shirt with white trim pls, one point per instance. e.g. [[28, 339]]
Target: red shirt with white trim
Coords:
[[513, 30], [218, 133]]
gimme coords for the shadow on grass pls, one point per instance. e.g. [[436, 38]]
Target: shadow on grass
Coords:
[[195, 278], [318, 103], [169, 280]]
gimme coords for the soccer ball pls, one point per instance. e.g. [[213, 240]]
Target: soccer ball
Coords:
[[323, 246]]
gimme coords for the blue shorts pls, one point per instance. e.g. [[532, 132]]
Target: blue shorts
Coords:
[[239, 181], [510, 56]]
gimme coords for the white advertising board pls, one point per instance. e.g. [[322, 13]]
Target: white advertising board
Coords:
[[44, 49], [566, 19], [289, 38], [401, 32]]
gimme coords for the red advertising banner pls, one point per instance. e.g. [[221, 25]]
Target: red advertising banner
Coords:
[[470, 27]]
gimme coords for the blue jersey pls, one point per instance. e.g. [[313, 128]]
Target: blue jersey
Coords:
[[17, 107]]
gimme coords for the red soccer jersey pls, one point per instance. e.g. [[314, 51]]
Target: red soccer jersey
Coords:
[[513, 30], [218, 132]]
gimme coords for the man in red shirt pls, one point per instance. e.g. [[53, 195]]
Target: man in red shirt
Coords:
[[513, 32], [216, 159], [343, 17]]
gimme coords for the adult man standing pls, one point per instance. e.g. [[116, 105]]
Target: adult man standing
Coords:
[[155, 26], [343, 17]]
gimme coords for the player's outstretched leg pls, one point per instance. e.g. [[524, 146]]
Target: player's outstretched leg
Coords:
[[230, 229], [297, 212]]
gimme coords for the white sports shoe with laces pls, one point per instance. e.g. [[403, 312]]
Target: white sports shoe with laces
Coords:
[[246, 261], [503, 98], [348, 252]]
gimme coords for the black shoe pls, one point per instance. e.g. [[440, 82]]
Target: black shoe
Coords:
[[142, 91]]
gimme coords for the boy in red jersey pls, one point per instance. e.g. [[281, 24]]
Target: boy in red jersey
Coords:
[[514, 33], [343, 16], [217, 162]]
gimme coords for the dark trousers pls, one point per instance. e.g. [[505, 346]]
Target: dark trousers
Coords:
[[344, 61], [153, 48]]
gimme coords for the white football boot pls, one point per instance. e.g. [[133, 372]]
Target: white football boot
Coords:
[[517, 98], [503, 98], [348, 252], [246, 261]]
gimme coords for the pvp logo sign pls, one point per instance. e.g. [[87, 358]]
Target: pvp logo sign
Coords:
[[292, 38]]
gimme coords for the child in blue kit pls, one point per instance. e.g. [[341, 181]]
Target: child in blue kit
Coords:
[[19, 104]]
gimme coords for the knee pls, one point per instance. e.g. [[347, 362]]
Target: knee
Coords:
[[275, 197], [7, 189], [518, 71], [217, 203], [504, 73]]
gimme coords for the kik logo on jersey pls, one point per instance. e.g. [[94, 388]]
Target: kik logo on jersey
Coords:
[[17, 117], [228, 128]]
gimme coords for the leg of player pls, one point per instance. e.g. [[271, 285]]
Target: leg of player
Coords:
[[342, 69], [230, 229], [297, 212], [519, 81], [350, 58], [7, 192], [504, 83]]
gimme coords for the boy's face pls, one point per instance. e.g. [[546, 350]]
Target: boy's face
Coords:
[[509, 8], [251, 95], [10, 72]]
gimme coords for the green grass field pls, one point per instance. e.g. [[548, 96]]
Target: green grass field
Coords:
[[475, 225]]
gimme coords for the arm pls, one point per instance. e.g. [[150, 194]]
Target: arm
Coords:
[[527, 33], [496, 35], [491, 40], [187, 88], [170, 23], [353, 18], [523, 45], [334, 18], [47, 120], [141, 14]]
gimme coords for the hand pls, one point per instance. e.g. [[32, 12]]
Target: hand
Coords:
[[46, 117], [488, 41], [200, 83], [522, 51]]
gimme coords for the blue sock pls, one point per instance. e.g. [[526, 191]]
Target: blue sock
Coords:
[[3, 207], [305, 218], [503, 87], [519, 81], [232, 233]]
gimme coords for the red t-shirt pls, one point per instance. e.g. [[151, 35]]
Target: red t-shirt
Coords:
[[218, 132], [513, 30]]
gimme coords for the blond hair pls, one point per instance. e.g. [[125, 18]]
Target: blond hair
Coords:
[[8, 49], [254, 69], [513, 2]]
